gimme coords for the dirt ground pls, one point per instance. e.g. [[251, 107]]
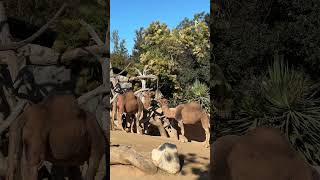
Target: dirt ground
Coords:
[[194, 157]]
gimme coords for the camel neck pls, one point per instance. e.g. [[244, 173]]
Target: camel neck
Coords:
[[165, 109]]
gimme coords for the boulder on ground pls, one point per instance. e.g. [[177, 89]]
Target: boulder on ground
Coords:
[[166, 158]]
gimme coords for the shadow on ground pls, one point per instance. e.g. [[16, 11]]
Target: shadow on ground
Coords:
[[202, 172]]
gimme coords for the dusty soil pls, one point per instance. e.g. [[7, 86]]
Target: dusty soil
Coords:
[[194, 157]]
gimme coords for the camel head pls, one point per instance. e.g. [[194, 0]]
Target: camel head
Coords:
[[163, 102], [149, 94]]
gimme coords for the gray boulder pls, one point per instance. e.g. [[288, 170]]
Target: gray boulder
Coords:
[[166, 158]]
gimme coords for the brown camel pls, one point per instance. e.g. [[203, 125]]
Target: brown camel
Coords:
[[133, 108], [148, 96], [189, 113], [263, 153], [58, 131]]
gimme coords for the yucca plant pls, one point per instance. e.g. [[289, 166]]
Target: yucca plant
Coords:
[[198, 92], [291, 106], [286, 99]]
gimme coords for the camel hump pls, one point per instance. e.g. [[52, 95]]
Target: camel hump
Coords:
[[194, 105], [130, 95], [266, 134], [271, 138], [64, 105]]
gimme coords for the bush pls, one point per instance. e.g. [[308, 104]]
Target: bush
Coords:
[[284, 98]]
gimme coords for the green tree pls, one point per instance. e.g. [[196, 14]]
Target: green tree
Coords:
[[182, 54], [137, 49], [119, 55]]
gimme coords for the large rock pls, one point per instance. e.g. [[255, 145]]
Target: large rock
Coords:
[[166, 158]]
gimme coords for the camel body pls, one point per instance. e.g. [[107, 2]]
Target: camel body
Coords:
[[131, 105], [189, 113], [58, 131], [263, 153]]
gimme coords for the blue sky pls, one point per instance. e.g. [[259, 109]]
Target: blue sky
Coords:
[[126, 16]]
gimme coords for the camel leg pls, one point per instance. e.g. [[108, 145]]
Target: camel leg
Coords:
[[206, 143], [120, 119], [75, 173], [57, 173], [94, 163], [132, 123], [30, 165], [182, 138], [138, 116], [114, 109], [33, 172], [24, 167], [205, 126]]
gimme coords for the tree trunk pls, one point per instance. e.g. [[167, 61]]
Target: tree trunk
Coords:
[[128, 156], [157, 122], [4, 31], [7, 57]]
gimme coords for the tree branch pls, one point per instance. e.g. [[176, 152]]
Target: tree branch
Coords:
[[124, 69], [16, 45], [114, 97], [139, 72], [140, 90], [15, 113], [81, 52], [140, 78], [99, 90], [126, 155], [92, 33]]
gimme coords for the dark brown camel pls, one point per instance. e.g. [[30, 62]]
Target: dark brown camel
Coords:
[[58, 131], [189, 113], [133, 108], [263, 153]]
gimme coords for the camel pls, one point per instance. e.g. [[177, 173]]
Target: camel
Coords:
[[262, 153], [59, 131], [189, 113], [147, 98], [133, 107], [153, 115]]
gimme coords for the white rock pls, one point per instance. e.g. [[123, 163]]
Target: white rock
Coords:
[[166, 158]]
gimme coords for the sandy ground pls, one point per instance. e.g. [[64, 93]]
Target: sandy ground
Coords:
[[194, 157]]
